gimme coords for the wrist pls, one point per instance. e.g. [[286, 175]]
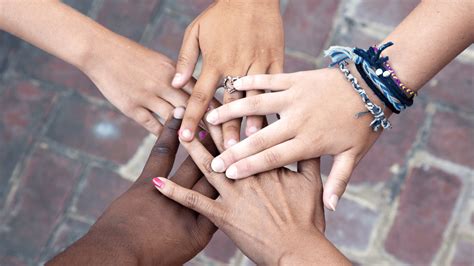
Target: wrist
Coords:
[[252, 5]]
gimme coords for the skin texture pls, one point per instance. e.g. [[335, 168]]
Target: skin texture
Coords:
[[247, 41], [133, 78], [142, 227], [317, 108], [292, 234]]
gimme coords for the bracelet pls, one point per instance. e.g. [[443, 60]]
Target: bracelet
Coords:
[[375, 90], [379, 117], [402, 86]]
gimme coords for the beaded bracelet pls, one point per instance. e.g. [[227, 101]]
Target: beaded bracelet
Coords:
[[379, 117]]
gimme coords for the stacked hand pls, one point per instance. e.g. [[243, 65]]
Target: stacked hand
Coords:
[[234, 38], [316, 111], [276, 217]]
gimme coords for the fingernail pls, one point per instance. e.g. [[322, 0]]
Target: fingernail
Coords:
[[332, 201], [202, 134], [158, 183], [238, 84], [251, 130], [231, 172], [212, 117], [186, 134], [178, 78], [217, 165], [178, 112], [231, 142]]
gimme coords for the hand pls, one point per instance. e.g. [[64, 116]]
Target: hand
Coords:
[[273, 217], [317, 111], [137, 81], [144, 227], [235, 38]]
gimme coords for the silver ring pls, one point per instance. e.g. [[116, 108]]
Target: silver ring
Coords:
[[228, 84]]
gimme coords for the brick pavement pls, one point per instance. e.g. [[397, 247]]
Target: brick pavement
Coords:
[[60, 167]]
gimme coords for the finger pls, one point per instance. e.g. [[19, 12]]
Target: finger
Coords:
[[187, 174], [338, 179], [143, 117], [206, 189], [263, 104], [160, 107], [173, 96], [188, 57], [231, 129], [188, 87], [162, 155], [189, 198], [269, 136], [254, 123], [274, 157], [217, 136], [203, 159], [275, 82], [198, 103]]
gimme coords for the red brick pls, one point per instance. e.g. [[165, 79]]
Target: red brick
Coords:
[[67, 233], [388, 12], [351, 225], [168, 36], [97, 130], [45, 187], [127, 17], [23, 109], [221, 248], [100, 189], [393, 144], [43, 66], [184, 7], [451, 138], [464, 254], [453, 85], [426, 203], [308, 24], [294, 64]]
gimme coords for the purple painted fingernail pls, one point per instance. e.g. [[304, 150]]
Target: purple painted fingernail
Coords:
[[202, 134]]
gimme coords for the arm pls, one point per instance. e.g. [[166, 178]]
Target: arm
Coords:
[[234, 38], [133, 78], [142, 227], [317, 108]]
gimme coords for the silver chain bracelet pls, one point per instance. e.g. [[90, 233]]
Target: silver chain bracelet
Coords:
[[375, 110]]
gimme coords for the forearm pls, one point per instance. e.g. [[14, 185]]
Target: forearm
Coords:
[[429, 38], [55, 28]]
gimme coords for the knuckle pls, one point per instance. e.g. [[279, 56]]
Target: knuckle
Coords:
[[161, 149], [191, 200], [230, 127], [253, 104], [207, 166], [199, 97], [257, 142], [271, 158], [183, 60]]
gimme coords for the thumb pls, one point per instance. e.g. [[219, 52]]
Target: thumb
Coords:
[[338, 179], [187, 59]]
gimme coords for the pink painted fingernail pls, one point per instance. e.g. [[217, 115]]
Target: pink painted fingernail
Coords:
[[231, 172], [333, 201], [202, 134], [158, 182]]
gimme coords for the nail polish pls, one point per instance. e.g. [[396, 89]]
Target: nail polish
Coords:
[[202, 134], [212, 117], [217, 165], [333, 201], [158, 182], [231, 172]]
